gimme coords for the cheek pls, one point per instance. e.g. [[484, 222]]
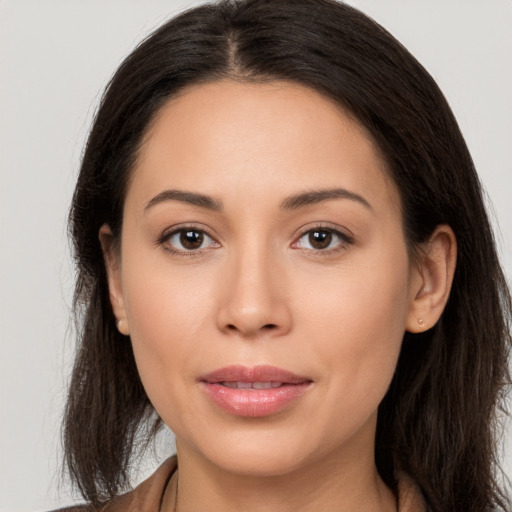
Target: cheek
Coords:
[[169, 311], [358, 324], [348, 323]]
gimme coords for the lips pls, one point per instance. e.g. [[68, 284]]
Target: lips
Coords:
[[252, 385], [254, 392]]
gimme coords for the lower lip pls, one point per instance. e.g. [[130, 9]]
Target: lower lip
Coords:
[[254, 402]]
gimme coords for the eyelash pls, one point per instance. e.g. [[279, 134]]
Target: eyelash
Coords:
[[164, 240], [344, 240]]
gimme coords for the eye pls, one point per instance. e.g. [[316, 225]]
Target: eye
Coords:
[[322, 239], [187, 240]]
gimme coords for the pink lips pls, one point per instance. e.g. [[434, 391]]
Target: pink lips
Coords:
[[256, 391]]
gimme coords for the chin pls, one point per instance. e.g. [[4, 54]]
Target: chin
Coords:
[[247, 452], [259, 462]]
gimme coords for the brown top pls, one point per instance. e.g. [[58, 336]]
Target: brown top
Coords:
[[148, 496]]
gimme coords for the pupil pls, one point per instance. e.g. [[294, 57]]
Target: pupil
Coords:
[[320, 239], [191, 239]]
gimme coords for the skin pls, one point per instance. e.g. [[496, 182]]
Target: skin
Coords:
[[257, 292]]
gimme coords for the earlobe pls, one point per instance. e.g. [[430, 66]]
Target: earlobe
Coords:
[[432, 279], [111, 258]]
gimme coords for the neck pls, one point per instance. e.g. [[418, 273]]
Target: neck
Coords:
[[341, 483]]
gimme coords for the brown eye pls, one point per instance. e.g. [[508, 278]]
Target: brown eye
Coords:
[[191, 240], [188, 240], [320, 239]]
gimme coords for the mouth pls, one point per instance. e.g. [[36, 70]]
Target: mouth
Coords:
[[254, 392], [251, 385]]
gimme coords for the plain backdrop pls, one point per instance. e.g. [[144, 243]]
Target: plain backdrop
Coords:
[[55, 58]]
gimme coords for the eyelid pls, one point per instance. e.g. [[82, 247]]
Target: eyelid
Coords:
[[346, 237], [164, 238]]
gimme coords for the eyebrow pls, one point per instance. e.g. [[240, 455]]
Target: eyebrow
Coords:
[[290, 203], [316, 196], [186, 197]]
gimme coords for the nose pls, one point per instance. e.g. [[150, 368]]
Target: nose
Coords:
[[253, 299]]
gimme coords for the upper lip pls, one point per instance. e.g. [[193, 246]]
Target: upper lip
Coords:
[[261, 373]]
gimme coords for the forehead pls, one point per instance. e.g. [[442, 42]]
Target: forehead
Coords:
[[261, 138]]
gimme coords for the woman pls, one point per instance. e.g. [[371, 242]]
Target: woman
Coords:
[[285, 257]]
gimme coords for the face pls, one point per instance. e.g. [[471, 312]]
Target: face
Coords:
[[263, 277]]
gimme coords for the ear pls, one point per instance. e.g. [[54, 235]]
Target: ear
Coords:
[[432, 279], [112, 258]]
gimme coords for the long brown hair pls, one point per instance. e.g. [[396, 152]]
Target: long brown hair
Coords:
[[438, 421]]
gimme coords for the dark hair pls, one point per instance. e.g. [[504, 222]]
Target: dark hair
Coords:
[[438, 421]]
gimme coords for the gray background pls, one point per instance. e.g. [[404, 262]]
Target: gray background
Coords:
[[55, 58]]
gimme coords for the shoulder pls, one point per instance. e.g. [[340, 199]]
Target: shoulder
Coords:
[[76, 508], [146, 496]]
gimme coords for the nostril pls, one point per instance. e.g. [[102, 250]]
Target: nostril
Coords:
[[266, 327]]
